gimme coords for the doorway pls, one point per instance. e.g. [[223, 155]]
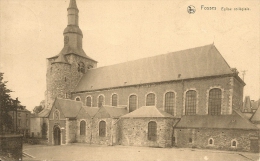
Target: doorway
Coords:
[[56, 135]]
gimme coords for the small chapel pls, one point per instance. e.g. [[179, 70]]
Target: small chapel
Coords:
[[189, 98]]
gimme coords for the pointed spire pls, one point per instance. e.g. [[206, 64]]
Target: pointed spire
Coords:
[[73, 4]]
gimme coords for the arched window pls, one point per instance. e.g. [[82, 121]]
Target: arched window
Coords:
[[100, 100], [81, 67], [211, 141], [169, 102], [150, 99], [77, 98], [88, 101], [114, 100], [233, 143], [152, 131], [190, 102], [215, 101], [102, 128], [132, 103], [82, 128]]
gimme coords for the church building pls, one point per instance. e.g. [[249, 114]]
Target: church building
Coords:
[[189, 98]]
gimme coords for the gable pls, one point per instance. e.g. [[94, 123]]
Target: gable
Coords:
[[56, 107], [102, 113], [186, 64]]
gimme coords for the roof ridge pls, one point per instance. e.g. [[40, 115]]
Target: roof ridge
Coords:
[[150, 57]]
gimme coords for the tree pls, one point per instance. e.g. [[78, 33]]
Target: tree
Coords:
[[6, 104], [38, 109]]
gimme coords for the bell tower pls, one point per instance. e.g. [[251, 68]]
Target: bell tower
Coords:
[[65, 69]]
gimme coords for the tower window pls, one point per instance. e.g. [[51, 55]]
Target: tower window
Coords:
[[81, 67], [150, 99], [190, 102], [190, 140]]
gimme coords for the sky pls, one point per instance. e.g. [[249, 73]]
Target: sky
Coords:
[[124, 30]]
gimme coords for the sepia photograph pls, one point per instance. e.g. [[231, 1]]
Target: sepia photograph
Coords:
[[129, 80]]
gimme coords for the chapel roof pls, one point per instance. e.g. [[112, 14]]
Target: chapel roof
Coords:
[[91, 110], [233, 121], [70, 108], [147, 111], [196, 62], [111, 112]]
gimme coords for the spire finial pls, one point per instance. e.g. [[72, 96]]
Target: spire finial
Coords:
[[73, 4]]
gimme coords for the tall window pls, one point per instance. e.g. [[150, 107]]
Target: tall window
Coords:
[[82, 128], [100, 100], [88, 101], [114, 100], [215, 101], [102, 128], [190, 102], [150, 99], [132, 103], [152, 131], [169, 102]]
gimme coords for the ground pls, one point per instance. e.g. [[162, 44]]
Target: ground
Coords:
[[80, 152]]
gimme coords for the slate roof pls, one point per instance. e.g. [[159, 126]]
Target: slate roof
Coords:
[[191, 63], [70, 108], [256, 116], [69, 50], [147, 111], [44, 113], [91, 110], [233, 121], [111, 112]]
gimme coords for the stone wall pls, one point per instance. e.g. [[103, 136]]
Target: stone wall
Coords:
[[62, 78], [199, 138], [202, 86], [134, 132], [88, 133], [237, 102], [107, 140]]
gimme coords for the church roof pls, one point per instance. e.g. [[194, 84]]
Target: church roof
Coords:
[[147, 111], [91, 110], [70, 108], [186, 64], [256, 116], [233, 121], [111, 112]]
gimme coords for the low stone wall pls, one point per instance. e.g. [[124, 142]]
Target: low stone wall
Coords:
[[199, 138], [11, 147]]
